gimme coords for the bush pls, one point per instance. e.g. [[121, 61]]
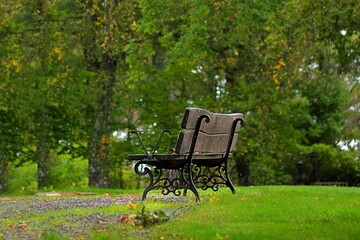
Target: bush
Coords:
[[23, 179], [67, 172]]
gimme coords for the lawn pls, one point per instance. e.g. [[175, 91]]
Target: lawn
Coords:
[[272, 212], [264, 212]]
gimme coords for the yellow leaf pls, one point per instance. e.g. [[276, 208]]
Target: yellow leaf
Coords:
[[185, 217], [133, 26], [213, 198], [131, 205]]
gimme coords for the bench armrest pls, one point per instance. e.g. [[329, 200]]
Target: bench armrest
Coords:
[[136, 132], [158, 142]]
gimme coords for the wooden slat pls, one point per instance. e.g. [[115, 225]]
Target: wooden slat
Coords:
[[176, 157], [205, 143], [219, 123]]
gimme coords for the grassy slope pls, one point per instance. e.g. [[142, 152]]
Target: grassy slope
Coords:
[[272, 212]]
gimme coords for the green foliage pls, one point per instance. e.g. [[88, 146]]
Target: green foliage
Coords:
[[23, 180], [148, 218], [74, 72], [66, 173], [336, 165]]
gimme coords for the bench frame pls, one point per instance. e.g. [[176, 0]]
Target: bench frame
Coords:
[[195, 168]]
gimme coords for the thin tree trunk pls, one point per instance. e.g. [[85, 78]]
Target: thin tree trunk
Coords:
[[43, 168], [243, 172], [3, 172], [42, 148]]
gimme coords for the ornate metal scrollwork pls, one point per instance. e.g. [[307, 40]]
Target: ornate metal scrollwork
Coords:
[[207, 178], [203, 177], [141, 171], [170, 186], [158, 181]]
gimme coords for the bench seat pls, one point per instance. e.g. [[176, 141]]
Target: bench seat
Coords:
[[174, 161]]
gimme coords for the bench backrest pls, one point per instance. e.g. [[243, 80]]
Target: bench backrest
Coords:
[[213, 136]]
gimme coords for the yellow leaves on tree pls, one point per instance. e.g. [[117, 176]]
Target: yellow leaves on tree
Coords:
[[102, 144], [57, 82], [276, 71], [58, 53], [133, 26], [14, 64], [104, 45], [96, 7]]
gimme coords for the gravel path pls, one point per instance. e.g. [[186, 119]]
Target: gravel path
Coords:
[[72, 224]]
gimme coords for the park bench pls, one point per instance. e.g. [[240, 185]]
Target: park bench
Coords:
[[201, 155]]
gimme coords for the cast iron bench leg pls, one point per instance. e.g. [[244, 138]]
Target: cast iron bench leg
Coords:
[[191, 186], [228, 182]]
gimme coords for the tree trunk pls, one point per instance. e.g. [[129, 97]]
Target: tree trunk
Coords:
[[43, 168], [243, 171], [99, 161], [3, 172]]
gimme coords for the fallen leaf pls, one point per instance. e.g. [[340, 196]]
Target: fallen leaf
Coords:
[[131, 205], [123, 219], [185, 217]]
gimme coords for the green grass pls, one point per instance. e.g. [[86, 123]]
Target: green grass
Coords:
[[264, 212], [272, 212]]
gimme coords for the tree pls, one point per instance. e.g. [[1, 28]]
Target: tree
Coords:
[[107, 29], [73, 72], [253, 57], [47, 62]]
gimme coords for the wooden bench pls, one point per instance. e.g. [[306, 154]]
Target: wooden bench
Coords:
[[201, 154]]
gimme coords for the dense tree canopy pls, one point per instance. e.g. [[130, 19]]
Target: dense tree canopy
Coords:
[[76, 75]]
